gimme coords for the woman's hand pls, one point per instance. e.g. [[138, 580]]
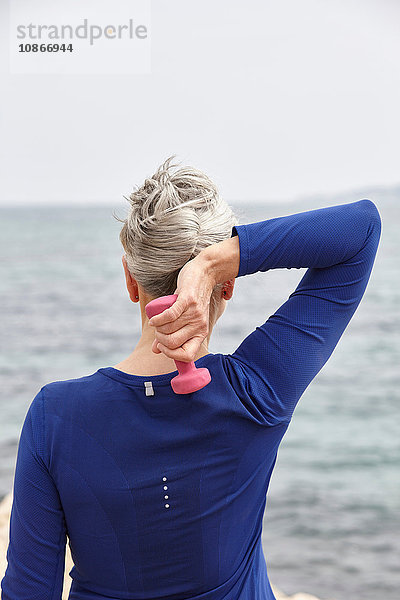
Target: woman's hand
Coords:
[[181, 329]]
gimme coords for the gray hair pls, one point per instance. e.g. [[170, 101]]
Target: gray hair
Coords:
[[172, 217]]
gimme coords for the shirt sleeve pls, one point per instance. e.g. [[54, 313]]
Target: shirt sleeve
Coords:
[[36, 550], [337, 244]]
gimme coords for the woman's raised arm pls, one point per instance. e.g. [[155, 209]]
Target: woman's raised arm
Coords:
[[338, 244]]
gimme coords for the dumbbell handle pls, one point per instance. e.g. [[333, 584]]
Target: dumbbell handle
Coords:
[[190, 378], [157, 306]]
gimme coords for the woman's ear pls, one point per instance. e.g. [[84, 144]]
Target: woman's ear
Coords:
[[131, 283]]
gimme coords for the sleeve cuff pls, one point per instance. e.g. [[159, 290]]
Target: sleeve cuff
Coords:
[[241, 232]]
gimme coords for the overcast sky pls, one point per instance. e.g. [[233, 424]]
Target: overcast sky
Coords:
[[273, 99]]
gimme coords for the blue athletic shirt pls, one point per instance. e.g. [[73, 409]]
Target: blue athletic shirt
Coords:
[[162, 496]]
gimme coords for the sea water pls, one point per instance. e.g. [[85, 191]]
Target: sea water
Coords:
[[331, 525]]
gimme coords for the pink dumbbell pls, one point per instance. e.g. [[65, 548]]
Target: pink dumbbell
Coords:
[[190, 378]]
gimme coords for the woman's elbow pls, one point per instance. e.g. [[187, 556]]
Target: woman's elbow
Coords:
[[374, 218]]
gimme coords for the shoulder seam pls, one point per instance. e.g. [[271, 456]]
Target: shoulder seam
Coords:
[[272, 416]]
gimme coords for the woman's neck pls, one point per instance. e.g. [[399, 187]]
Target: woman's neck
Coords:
[[143, 361]]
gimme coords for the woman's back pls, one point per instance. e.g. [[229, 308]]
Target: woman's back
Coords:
[[98, 455], [162, 494]]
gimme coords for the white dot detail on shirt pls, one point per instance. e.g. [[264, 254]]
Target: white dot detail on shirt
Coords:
[[167, 506], [164, 479], [165, 487], [166, 497]]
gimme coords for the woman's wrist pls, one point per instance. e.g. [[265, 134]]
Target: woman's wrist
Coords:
[[221, 261]]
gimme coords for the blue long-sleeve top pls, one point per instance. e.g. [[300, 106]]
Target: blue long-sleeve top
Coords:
[[162, 496]]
